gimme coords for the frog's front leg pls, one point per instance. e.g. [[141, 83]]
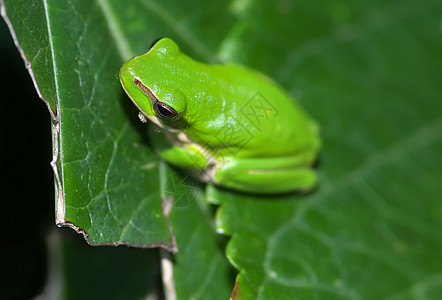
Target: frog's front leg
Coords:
[[186, 157], [176, 152], [266, 175]]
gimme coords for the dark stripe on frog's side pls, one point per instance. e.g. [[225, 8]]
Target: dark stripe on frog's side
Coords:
[[147, 91]]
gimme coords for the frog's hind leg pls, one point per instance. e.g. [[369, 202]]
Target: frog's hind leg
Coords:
[[266, 175]]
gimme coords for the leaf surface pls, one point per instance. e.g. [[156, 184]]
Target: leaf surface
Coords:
[[368, 74]]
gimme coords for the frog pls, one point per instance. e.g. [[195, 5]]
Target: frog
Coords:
[[225, 124]]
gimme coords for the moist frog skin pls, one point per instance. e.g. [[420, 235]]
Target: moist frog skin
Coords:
[[225, 124]]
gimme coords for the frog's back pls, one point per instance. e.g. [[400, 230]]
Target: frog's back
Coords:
[[265, 119]]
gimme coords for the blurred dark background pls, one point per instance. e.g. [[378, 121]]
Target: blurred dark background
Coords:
[[27, 193]]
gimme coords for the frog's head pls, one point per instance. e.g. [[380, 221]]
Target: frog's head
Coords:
[[151, 80]]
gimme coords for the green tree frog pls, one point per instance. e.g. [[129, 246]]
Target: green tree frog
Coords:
[[225, 124]]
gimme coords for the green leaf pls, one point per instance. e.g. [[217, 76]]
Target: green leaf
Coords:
[[107, 176], [200, 269], [370, 75], [369, 72]]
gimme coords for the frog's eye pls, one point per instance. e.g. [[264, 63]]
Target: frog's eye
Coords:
[[164, 111]]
